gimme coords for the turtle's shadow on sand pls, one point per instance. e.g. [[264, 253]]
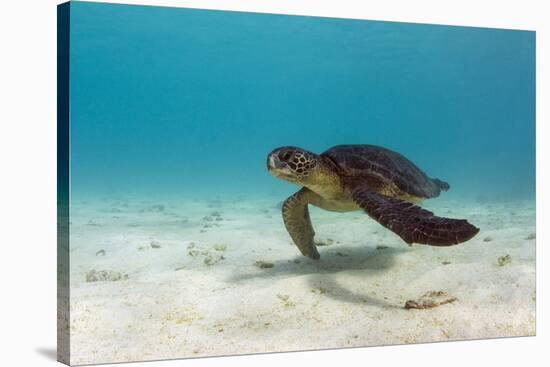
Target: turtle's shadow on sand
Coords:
[[362, 260]]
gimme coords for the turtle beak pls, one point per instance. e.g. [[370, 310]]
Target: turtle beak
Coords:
[[274, 163]]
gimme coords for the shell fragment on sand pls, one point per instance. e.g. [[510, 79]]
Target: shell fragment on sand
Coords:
[[430, 299]]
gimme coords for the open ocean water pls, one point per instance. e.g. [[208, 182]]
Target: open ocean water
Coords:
[[182, 103]]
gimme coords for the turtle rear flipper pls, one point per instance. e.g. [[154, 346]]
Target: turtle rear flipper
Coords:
[[298, 223], [412, 223], [441, 184]]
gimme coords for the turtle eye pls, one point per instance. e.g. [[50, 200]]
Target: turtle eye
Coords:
[[286, 155]]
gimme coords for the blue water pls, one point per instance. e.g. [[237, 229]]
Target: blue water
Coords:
[[188, 102]]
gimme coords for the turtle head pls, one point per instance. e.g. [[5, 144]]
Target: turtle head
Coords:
[[292, 164]]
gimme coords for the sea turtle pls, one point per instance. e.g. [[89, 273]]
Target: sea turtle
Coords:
[[383, 183]]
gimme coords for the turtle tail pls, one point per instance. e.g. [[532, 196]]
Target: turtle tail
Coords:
[[441, 184]]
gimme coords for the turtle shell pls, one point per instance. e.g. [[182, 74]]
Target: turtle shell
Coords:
[[368, 162]]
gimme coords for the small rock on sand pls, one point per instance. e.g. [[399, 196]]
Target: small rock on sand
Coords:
[[157, 208], [487, 239], [504, 260], [430, 299], [220, 247], [319, 290], [263, 264], [283, 297], [104, 276], [531, 236], [153, 208], [155, 244], [212, 259], [328, 242], [100, 253]]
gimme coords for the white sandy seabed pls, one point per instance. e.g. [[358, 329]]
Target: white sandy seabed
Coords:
[[160, 280]]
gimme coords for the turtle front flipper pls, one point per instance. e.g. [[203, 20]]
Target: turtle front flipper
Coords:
[[412, 223], [298, 223]]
